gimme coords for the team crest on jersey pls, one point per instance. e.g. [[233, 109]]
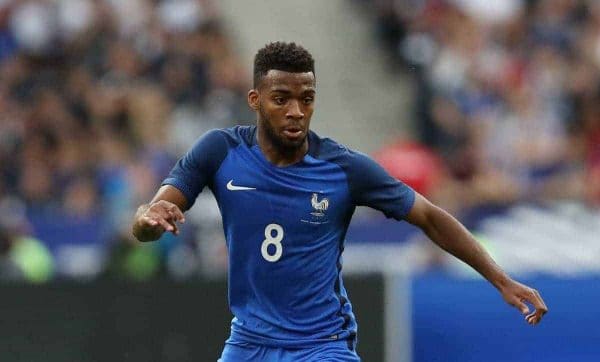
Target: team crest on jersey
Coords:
[[319, 205]]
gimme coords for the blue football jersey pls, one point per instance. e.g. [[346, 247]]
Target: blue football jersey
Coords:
[[285, 230]]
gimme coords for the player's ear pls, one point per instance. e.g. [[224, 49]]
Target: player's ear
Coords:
[[253, 99]]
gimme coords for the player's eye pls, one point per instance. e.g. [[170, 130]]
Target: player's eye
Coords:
[[308, 100], [279, 100]]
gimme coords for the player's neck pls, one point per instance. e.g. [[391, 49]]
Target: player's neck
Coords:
[[280, 156]]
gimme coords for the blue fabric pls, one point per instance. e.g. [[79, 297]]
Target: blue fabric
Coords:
[[285, 229], [377, 229], [457, 320], [89, 230], [333, 352], [196, 169], [370, 184]]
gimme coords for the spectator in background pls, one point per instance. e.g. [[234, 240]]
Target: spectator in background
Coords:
[[22, 257], [591, 132], [504, 92], [82, 84], [9, 270]]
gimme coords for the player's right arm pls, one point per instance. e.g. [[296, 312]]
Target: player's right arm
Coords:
[[162, 214], [181, 187]]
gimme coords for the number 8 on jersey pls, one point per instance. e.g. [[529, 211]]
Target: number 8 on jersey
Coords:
[[272, 240]]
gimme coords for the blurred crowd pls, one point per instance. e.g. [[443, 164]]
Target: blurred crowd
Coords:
[[97, 101], [507, 95], [99, 98]]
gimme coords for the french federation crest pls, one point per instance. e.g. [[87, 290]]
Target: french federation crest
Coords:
[[319, 205]]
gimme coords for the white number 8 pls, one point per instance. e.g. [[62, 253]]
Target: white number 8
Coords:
[[272, 240]]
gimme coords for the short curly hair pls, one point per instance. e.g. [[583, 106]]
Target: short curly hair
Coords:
[[288, 57]]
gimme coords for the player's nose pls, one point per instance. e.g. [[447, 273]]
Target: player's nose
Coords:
[[294, 110]]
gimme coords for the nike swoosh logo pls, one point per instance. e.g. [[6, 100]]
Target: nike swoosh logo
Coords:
[[232, 187]]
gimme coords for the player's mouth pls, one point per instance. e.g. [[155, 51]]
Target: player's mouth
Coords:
[[293, 132]]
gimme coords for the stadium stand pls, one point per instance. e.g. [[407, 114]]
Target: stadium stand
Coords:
[[506, 94], [507, 98], [97, 100], [94, 102]]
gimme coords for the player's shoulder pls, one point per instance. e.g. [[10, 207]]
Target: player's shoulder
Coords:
[[329, 150], [214, 145], [325, 148], [232, 136]]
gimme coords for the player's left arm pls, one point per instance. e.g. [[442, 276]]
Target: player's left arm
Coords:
[[453, 237]]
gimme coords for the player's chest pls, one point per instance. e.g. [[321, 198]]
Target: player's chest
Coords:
[[311, 195]]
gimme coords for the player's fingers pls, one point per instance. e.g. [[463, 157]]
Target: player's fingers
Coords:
[[161, 208], [537, 315], [532, 320], [175, 229], [170, 207], [531, 316], [537, 301], [176, 215], [179, 215], [540, 308], [148, 220], [165, 224], [168, 210], [175, 212], [156, 223], [518, 303], [543, 308], [169, 223]]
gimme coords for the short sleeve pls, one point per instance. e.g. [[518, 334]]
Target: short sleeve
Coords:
[[370, 185], [197, 167]]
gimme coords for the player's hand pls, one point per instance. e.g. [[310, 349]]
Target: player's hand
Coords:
[[158, 217], [516, 294]]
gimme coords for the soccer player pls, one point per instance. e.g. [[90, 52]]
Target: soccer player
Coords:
[[286, 197]]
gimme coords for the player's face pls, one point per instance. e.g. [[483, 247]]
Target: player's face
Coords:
[[285, 103]]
